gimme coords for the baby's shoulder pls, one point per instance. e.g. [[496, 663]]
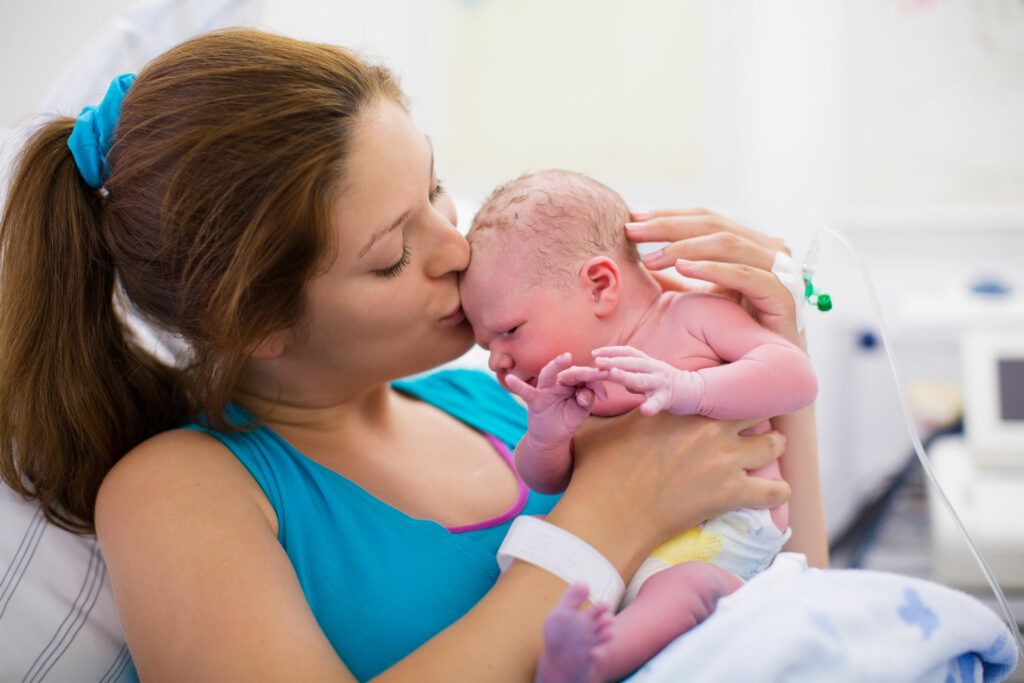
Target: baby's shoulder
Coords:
[[685, 308]]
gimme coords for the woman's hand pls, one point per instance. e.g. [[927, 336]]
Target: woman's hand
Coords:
[[706, 246], [731, 256], [638, 480]]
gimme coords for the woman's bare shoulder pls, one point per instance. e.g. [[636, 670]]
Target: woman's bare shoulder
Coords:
[[177, 470]]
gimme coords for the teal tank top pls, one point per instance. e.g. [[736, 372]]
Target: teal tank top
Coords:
[[379, 582]]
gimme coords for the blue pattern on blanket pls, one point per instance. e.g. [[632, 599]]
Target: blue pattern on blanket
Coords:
[[963, 669], [916, 613], [796, 624]]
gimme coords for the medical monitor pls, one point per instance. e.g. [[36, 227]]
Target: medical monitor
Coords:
[[993, 365]]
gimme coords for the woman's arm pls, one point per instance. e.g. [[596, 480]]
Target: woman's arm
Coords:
[[203, 588], [737, 259], [205, 591]]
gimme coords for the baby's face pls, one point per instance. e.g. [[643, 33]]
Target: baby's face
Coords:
[[522, 326]]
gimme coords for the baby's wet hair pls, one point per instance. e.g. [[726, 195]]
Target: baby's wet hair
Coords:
[[566, 216]]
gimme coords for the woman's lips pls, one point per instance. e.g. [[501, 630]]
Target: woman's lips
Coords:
[[456, 316]]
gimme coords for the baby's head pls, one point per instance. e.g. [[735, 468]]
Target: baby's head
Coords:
[[548, 256]]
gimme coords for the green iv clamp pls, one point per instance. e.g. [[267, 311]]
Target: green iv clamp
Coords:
[[821, 300]]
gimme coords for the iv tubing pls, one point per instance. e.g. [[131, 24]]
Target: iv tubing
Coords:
[[810, 264]]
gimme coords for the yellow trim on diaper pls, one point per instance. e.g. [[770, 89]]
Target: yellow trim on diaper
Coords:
[[693, 544]]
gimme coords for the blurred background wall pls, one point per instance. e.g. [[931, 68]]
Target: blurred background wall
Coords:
[[895, 121]]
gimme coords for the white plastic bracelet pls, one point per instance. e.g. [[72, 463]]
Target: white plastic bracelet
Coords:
[[786, 269], [564, 555]]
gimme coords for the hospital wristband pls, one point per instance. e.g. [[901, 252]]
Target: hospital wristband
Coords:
[[569, 558]]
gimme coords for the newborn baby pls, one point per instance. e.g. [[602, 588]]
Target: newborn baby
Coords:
[[583, 328]]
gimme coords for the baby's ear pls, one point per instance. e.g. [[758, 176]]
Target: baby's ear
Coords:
[[601, 279]]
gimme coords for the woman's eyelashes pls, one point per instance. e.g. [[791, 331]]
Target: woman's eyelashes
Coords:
[[393, 271], [437, 191]]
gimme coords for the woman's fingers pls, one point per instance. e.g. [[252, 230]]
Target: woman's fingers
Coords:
[[655, 213], [761, 448], [767, 493], [723, 246], [671, 225], [769, 297]]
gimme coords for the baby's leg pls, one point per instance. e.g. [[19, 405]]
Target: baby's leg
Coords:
[[590, 646], [572, 639], [780, 514], [669, 604]]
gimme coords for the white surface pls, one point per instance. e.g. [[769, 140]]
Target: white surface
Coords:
[[989, 503]]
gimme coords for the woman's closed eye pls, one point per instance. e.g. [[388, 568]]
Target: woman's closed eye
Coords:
[[437, 191], [395, 270]]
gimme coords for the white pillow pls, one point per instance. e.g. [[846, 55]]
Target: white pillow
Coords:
[[58, 621]]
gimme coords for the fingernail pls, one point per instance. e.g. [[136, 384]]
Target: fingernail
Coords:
[[640, 215], [653, 256], [635, 227], [683, 263]]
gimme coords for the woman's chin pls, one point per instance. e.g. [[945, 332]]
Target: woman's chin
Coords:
[[452, 347]]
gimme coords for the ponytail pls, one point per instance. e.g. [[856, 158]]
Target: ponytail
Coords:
[[76, 391]]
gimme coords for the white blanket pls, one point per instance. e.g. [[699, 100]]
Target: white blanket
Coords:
[[792, 623]]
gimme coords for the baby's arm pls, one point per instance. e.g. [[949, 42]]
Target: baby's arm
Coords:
[[556, 407], [762, 374]]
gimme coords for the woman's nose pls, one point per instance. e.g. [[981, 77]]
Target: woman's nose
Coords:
[[450, 252]]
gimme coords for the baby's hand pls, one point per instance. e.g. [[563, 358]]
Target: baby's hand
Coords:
[[562, 399], [664, 386]]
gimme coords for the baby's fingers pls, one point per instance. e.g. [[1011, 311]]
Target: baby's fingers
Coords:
[[618, 352], [585, 399], [654, 404], [520, 388], [636, 382], [630, 364], [581, 374], [549, 374]]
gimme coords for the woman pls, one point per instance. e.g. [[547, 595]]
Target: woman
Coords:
[[272, 202]]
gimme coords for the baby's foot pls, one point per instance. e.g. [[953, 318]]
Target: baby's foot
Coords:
[[574, 640]]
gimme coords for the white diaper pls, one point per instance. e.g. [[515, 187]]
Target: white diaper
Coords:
[[742, 542]]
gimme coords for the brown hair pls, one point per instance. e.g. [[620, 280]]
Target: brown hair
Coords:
[[225, 164], [567, 216]]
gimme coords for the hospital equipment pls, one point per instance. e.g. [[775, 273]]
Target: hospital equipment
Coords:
[[983, 471], [1006, 366]]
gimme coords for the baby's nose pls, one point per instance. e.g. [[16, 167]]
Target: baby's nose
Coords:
[[500, 362]]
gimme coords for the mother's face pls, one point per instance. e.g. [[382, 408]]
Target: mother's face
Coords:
[[388, 306]]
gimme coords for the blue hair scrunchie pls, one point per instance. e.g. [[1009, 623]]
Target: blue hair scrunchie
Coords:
[[94, 131]]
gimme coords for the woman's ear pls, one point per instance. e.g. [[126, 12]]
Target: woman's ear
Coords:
[[271, 347], [601, 279]]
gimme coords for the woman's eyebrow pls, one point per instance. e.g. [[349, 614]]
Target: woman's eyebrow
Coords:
[[401, 219], [381, 233]]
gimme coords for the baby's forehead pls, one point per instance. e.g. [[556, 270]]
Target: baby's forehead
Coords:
[[493, 252]]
